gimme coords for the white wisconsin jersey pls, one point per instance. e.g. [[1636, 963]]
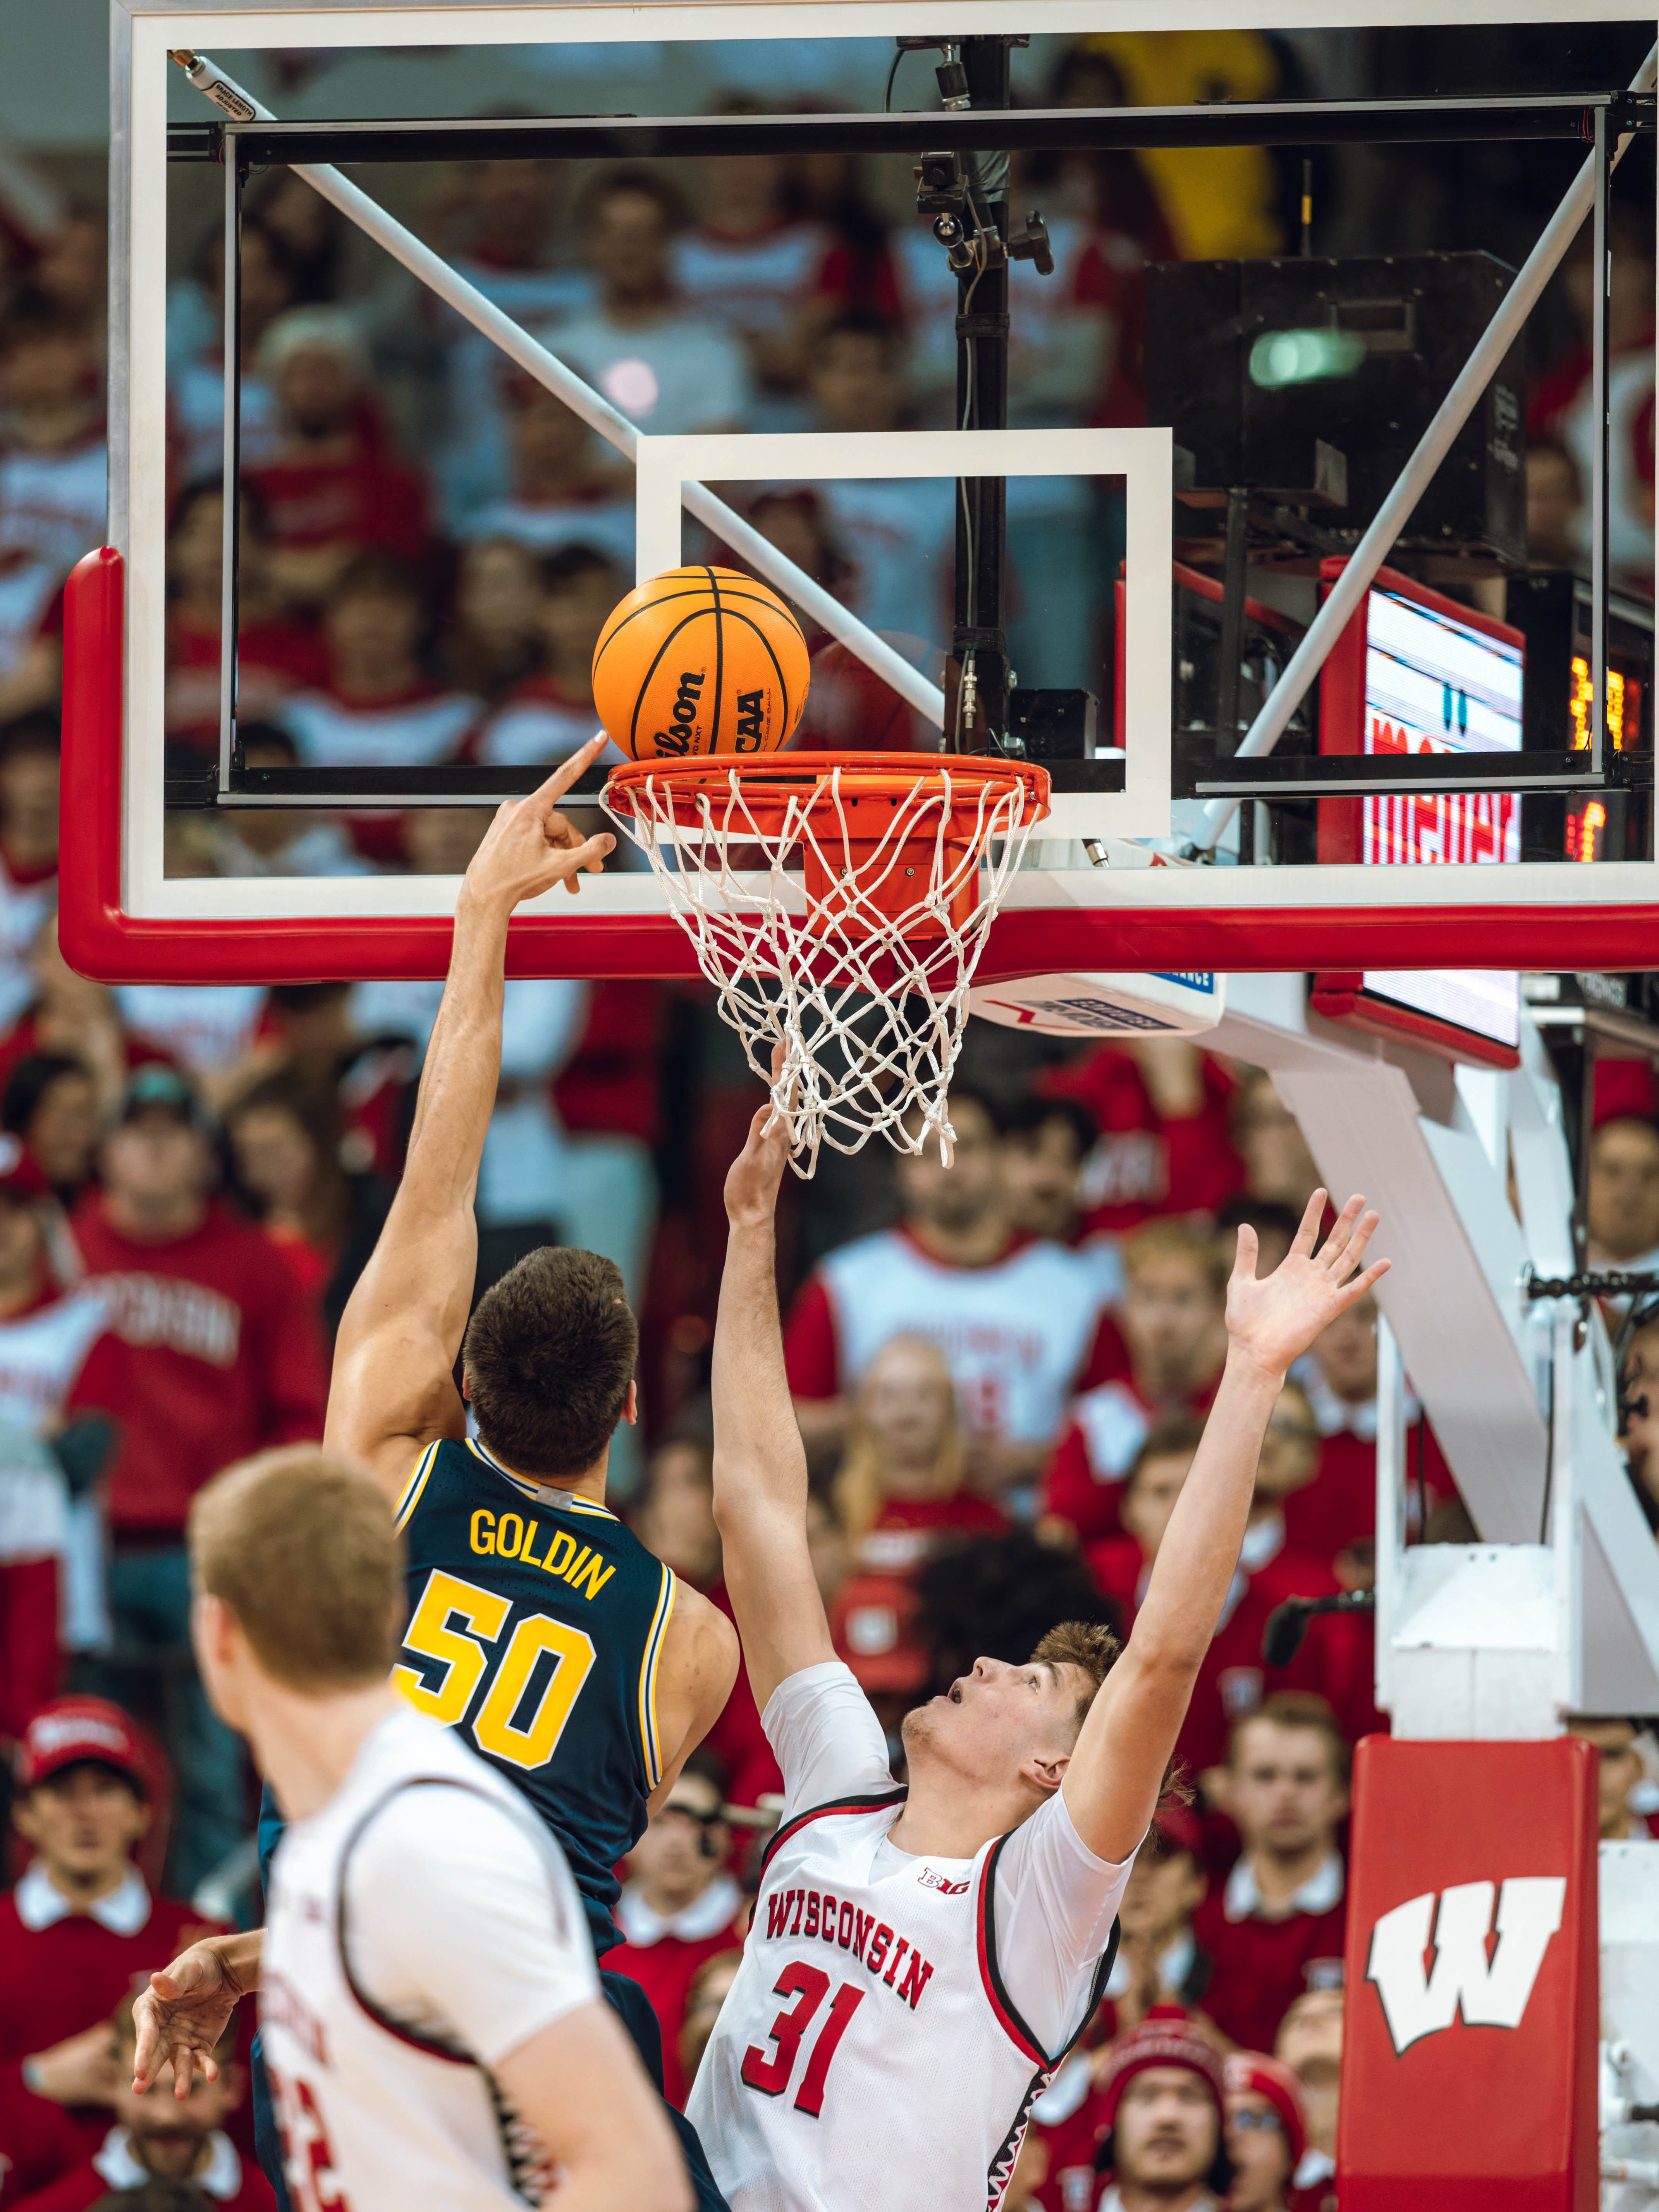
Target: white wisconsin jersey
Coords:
[[1014, 1334], [376, 2117], [868, 2053]]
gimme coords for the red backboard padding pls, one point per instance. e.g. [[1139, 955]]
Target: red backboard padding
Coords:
[[1471, 2116], [101, 938]]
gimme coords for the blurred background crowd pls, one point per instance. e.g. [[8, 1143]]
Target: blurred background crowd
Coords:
[[1001, 1372]]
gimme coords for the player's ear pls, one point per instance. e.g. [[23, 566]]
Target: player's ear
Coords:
[[1046, 1773], [466, 1386], [630, 1409]]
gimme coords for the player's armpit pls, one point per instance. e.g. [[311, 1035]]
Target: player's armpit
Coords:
[[695, 1674], [580, 2084], [392, 1393]]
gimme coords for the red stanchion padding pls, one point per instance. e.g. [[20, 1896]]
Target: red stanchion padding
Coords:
[[1470, 2028]]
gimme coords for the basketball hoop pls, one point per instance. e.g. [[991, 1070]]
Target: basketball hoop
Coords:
[[859, 965]]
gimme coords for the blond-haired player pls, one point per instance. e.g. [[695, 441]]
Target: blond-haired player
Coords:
[[429, 2000], [920, 1961]]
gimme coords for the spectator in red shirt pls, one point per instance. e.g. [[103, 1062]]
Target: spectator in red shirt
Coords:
[[276, 652], [335, 488], [158, 2137], [1045, 1144], [1275, 1929], [50, 1103], [491, 639], [61, 1374], [1268, 1139], [227, 1360], [1338, 1507], [1161, 1107], [1266, 2132], [1018, 1320], [379, 708], [1160, 1961], [28, 851], [899, 1487], [678, 1907], [899, 1496], [1310, 2042], [1121, 1565], [1172, 1325], [82, 1926], [545, 717]]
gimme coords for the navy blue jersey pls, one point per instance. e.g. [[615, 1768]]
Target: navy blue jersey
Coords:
[[536, 1622]]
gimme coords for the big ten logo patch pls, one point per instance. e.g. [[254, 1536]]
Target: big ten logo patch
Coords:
[[752, 709], [929, 1879], [682, 714]]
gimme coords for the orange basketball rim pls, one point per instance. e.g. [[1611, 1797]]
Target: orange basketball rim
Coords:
[[838, 900]]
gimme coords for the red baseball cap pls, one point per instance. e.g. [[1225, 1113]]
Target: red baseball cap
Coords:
[[1165, 2038], [1253, 2070], [71, 1730]]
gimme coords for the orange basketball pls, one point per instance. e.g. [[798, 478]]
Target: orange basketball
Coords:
[[700, 660]]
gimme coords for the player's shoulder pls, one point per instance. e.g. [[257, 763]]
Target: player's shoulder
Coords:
[[698, 1631]]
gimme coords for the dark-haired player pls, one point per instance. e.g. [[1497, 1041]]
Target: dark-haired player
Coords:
[[919, 1962], [539, 1627]]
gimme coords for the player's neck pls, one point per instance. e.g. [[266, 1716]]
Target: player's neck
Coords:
[[306, 1747], [948, 1816]]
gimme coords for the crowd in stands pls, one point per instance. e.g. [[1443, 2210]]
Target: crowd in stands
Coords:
[[1001, 1371]]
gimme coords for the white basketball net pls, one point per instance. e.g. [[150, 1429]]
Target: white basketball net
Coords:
[[870, 1012]]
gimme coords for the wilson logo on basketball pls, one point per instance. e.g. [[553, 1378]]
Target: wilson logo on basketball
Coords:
[[682, 714]]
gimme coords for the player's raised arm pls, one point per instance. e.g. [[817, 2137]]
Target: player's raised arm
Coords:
[[393, 1387], [1116, 1771], [760, 1465]]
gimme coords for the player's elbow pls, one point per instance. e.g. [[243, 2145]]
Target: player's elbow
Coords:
[[1165, 1652]]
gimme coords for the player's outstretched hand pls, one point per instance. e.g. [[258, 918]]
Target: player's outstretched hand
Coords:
[[752, 1181], [530, 845], [1274, 1320], [181, 2016]]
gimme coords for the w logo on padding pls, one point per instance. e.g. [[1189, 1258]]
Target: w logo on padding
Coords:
[[1490, 1992]]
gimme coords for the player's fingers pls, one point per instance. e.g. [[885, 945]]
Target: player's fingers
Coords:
[[587, 858], [1312, 1214], [1333, 1252], [546, 798], [1354, 1253], [1244, 1257]]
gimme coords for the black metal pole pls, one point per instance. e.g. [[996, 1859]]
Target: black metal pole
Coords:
[[980, 641]]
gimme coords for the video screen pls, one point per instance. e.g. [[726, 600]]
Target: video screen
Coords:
[[1485, 1001], [1434, 684]]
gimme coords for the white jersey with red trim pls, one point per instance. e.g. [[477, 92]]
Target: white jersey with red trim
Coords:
[[464, 1924], [868, 2052]]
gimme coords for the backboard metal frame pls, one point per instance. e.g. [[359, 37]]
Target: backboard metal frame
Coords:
[[122, 919]]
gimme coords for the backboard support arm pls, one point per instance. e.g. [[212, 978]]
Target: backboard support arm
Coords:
[[1587, 193]]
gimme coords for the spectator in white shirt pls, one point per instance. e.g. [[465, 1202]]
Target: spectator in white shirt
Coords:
[[380, 709], [759, 271], [54, 464], [667, 368], [1015, 1317], [280, 840], [505, 217], [899, 532], [565, 489]]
